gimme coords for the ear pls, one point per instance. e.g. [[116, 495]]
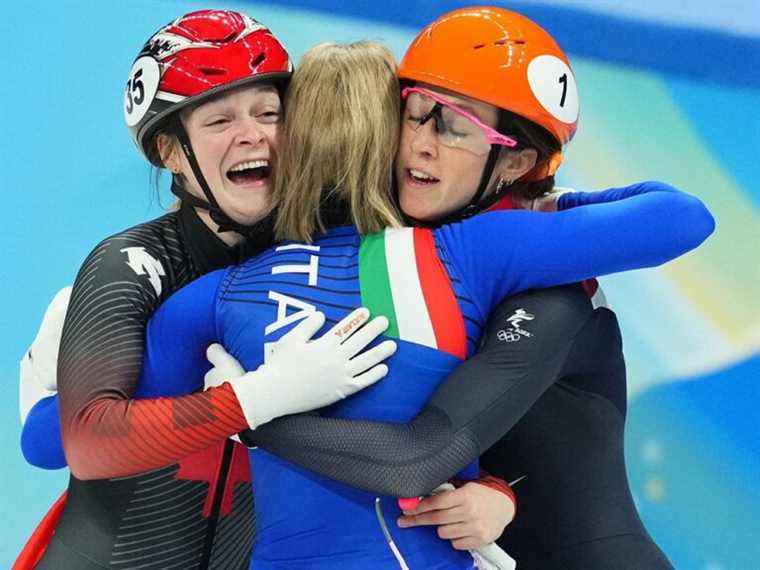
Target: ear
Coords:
[[168, 150], [512, 164]]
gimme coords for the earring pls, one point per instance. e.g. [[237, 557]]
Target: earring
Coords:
[[501, 184]]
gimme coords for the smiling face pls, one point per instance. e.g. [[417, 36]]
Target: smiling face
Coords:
[[235, 138], [433, 179]]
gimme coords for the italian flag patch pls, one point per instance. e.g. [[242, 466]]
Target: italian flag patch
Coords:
[[402, 278]]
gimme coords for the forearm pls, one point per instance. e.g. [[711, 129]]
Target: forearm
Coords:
[[474, 407], [154, 433], [118, 437], [143, 434], [574, 199], [402, 460], [107, 362], [625, 232]]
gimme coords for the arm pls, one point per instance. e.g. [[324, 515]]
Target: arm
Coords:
[[643, 225], [567, 199], [119, 433], [471, 410], [41, 440], [105, 432]]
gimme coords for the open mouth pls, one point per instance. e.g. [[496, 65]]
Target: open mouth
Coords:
[[419, 178], [250, 172]]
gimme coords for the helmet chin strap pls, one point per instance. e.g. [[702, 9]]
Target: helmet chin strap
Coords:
[[220, 218]]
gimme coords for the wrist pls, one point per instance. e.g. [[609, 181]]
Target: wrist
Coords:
[[257, 401], [499, 485], [566, 198]]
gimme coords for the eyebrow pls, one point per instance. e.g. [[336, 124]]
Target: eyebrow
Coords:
[[262, 90], [466, 107], [214, 106]]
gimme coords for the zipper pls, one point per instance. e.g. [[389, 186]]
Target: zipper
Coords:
[[216, 506]]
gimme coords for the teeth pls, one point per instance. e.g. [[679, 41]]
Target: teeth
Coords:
[[249, 164], [419, 175]]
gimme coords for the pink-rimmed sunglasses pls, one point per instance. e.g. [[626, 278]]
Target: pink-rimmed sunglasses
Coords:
[[454, 126]]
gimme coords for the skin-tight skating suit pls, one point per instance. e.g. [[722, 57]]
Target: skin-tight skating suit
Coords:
[[565, 443], [196, 512], [436, 287], [457, 263]]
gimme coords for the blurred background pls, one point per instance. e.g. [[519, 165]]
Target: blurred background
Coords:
[[670, 90]]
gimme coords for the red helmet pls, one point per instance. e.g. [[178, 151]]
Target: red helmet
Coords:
[[198, 56]]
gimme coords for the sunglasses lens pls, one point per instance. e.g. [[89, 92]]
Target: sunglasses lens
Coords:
[[454, 129], [461, 132]]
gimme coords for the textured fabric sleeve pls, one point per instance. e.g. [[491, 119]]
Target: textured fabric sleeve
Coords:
[[41, 435], [105, 432], [474, 407], [642, 227]]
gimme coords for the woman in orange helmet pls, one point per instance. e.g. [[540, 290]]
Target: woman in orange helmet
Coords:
[[490, 101], [514, 74]]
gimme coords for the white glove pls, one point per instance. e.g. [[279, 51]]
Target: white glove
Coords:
[[37, 369], [226, 367], [300, 374]]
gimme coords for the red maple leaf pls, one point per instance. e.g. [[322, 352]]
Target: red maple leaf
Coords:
[[206, 465]]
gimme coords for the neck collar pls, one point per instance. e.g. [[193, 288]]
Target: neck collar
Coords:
[[208, 252]]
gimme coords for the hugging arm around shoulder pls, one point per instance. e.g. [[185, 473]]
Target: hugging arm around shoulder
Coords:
[[596, 234], [106, 431]]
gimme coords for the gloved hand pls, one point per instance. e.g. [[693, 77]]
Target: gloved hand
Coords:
[[37, 369], [225, 367], [300, 374]]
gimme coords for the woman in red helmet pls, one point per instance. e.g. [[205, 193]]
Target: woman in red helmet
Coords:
[[203, 97], [184, 84]]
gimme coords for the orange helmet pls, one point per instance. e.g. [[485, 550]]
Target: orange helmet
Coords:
[[501, 58]]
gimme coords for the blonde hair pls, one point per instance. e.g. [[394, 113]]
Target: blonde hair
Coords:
[[341, 134]]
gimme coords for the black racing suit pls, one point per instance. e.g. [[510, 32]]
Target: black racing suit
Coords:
[[575, 498], [194, 508], [576, 510]]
